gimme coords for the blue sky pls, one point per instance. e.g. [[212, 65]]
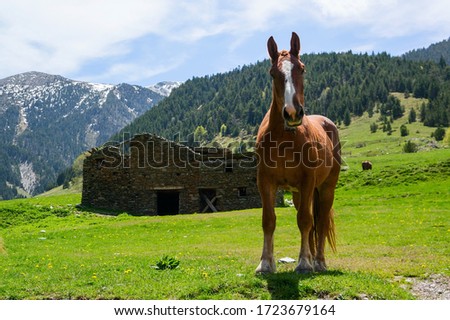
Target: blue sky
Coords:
[[144, 42]]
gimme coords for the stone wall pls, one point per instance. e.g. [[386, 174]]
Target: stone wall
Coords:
[[150, 175]]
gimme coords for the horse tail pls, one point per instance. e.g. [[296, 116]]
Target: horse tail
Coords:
[[328, 223], [331, 231], [316, 205]]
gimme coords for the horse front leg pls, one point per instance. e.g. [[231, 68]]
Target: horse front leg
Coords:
[[305, 225], [267, 263]]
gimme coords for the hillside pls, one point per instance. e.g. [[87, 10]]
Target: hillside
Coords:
[[337, 85], [48, 120], [360, 142], [434, 52]]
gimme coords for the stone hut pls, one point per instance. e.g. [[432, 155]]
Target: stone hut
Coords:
[[149, 175]]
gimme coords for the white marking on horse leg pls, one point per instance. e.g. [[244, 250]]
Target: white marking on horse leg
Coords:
[[305, 264], [266, 266]]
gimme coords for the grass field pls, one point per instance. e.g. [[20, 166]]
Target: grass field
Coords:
[[393, 223], [51, 250]]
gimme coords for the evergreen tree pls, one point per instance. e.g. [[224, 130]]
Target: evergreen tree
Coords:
[[442, 62], [370, 111], [392, 108], [433, 89], [410, 147], [423, 108], [347, 118], [421, 88], [223, 130], [388, 128], [439, 134], [404, 130], [200, 134], [412, 116], [397, 109]]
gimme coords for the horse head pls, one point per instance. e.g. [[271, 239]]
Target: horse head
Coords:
[[287, 72]]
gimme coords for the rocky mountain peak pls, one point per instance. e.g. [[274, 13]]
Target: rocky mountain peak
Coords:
[[48, 120]]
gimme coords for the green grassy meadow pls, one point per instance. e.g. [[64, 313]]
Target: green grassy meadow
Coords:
[[392, 223]]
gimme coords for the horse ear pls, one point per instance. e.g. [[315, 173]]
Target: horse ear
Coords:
[[273, 49], [295, 45]]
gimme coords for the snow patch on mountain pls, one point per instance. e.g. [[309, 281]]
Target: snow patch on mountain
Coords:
[[22, 125], [100, 86], [91, 136], [164, 88], [28, 177]]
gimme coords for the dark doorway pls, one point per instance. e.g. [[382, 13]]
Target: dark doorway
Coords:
[[208, 200], [168, 202]]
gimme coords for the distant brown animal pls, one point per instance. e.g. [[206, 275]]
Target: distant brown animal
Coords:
[[366, 165], [298, 153]]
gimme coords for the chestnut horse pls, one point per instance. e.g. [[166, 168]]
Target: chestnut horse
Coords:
[[298, 153]]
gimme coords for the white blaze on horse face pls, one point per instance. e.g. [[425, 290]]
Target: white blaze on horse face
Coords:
[[289, 90]]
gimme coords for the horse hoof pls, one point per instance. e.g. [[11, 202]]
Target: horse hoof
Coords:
[[303, 270], [266, 267], [320, 266], [304, 267]]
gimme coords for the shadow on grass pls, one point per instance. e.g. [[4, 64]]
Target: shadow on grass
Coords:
[[289, 286]]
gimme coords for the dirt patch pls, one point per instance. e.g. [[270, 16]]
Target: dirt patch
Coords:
[[435, 287], [2, 247]]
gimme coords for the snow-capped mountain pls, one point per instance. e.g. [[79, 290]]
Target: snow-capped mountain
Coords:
[[164, 88], [47, 120]]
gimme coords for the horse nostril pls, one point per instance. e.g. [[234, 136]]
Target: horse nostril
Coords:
[[286, 114], [301, 113]]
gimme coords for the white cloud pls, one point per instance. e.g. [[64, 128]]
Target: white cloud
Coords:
[[386, 18], [257, 15], [139, 69], [64, 36], [340, 12]]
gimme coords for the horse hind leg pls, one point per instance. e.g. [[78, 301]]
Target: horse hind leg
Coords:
[[312, 237], [324, 225], [305, 224], [313, 232], [304, 268]]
